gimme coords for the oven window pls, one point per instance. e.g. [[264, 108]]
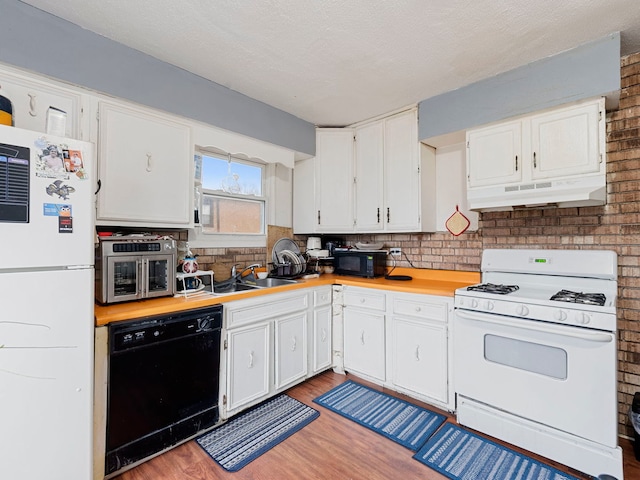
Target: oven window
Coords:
[[532, 357]]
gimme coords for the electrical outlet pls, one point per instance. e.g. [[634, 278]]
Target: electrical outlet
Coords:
[[395, 251]]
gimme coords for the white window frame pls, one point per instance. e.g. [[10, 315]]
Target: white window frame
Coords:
[[199, 238]]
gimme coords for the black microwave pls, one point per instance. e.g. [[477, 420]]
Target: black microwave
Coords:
[[361, 263]]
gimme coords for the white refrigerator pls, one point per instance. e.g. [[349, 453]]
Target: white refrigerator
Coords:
[[47, 210]]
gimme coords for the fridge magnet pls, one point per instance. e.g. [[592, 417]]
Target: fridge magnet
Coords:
[[65, 224], [56, 210], [457, 223], [73, 163], [51, 160], [60, 189]]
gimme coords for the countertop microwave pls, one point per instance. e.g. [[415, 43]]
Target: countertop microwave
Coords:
[[360, 263], [134, 268]]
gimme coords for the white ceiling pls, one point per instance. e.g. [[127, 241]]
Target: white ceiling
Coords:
[[337, 62]]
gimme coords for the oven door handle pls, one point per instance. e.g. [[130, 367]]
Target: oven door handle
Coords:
[[536, 327]]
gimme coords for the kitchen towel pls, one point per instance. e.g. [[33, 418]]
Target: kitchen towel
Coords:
[[247, 436], [400, 421], [460, 454]]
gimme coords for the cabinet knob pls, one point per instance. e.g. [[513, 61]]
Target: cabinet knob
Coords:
[[294, 344], [418, 309]]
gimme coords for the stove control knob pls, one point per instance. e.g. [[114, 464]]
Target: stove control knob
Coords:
[[522, 310], [474, 303], [560, 315], [584, 318], [488, 305]]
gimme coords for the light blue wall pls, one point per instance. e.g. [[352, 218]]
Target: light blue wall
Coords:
[[586, 71], [40, 42]]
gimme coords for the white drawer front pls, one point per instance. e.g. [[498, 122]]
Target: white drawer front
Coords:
[[264, 308], [420, 308], [364, 299], [322, 296]]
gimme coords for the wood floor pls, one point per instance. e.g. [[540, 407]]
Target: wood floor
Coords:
[[331, 447]]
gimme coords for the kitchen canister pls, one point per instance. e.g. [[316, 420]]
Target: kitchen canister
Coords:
[[6, 111]]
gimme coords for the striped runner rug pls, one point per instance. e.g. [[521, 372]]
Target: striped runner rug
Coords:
[[247, 436], [396, 419], [460, 454]]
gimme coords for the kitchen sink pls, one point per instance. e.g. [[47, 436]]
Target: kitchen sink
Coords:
[[260, 283], [231, 287], [270, 282]]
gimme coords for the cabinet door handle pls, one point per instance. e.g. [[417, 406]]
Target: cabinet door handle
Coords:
[[318, 217], [516, 163], [417, 353], [378, 214], [388, 214], [32, 105], [149, 165], [251, 359], [362, 337], [323, 335], [293, 344], [535, 162]]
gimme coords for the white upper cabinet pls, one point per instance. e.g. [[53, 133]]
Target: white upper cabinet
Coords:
[[369, 185], [43, 106], [323, 185], [334, 180], [553, 157], [566, 142], [495, 154], [145, 168], [383, 183], [395, 177], [406, 176]]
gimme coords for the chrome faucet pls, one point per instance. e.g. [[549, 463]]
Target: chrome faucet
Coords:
[[251, 267]]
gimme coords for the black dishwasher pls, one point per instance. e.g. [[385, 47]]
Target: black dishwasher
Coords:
[[163, 383]]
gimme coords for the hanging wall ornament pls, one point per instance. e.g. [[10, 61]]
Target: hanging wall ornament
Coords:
[[457, 223]]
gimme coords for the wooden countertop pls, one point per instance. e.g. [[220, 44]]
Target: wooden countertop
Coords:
[[431, 282]]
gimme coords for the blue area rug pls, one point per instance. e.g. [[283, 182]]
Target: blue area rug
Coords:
[[402, 422], [247, 436], [460, 454]]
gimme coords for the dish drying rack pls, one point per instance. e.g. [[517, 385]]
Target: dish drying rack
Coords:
[[288, 262]]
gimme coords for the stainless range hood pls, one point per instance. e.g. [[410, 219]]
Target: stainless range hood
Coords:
[[586, 191]]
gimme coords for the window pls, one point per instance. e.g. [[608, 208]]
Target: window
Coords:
[[232, 200]]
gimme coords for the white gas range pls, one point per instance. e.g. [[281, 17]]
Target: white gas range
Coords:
[[535, 354]]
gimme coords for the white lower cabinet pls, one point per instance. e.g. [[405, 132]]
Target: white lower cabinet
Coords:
[[364, 332], [400, 341], [321, 331], [268, 347], [248, 365], [420, 361], [290, 349]]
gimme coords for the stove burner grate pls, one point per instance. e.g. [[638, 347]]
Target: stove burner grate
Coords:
[[583, 298], [493, 288]]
